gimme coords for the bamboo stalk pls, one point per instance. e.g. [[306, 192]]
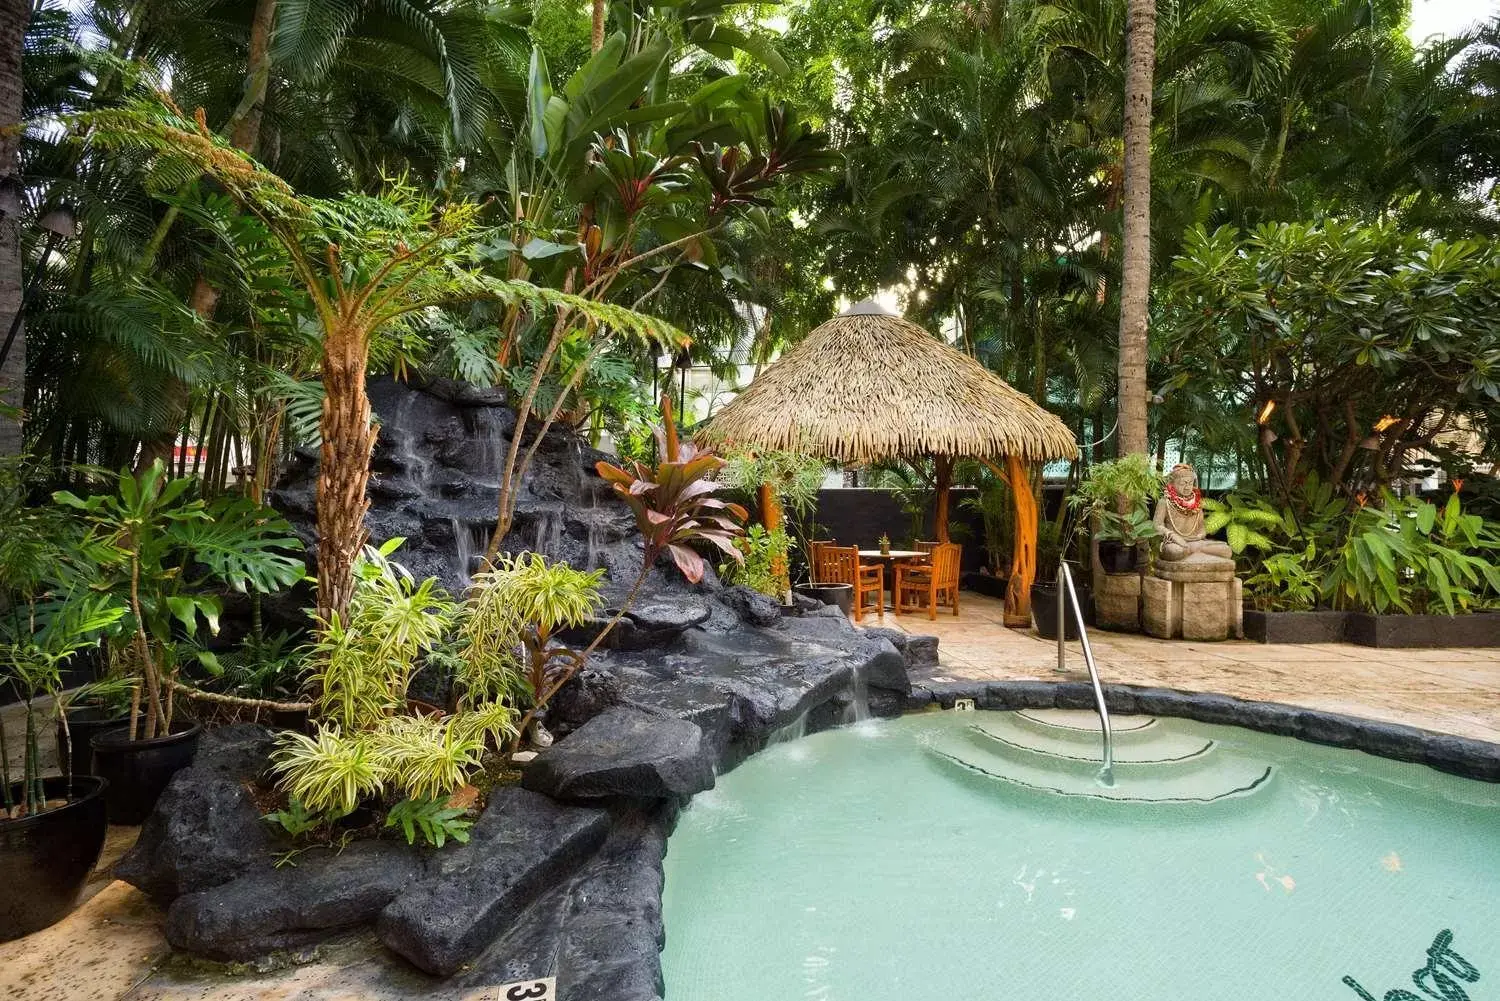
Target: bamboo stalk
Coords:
[[217, 698]]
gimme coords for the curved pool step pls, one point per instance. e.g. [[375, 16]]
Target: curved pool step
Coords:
[[1081, 726], [1175, 755], [1135, 744], [1228, 778]]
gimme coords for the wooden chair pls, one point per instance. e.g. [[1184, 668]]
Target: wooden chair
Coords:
[[926, 547], [814, 558], [841, 565], [933, 583]]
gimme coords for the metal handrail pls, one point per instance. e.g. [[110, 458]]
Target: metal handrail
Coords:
[[1065, 583]]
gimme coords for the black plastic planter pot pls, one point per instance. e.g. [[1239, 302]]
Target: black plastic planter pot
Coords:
[[1476, 629], [75, 752], [138, 770], [1044, 611], [841, 595], [1117, 557], [45, 860], [1294, 627]]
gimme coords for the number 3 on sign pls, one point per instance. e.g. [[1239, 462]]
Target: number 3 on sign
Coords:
[[544, 989], [530, 990]]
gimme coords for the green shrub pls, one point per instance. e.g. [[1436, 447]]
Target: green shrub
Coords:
[[764, 554], [1113, 498], [368, 744], [1407, 555], [161, 551]]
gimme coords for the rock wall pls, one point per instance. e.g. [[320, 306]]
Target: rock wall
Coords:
[[562, 876], [435, 482]]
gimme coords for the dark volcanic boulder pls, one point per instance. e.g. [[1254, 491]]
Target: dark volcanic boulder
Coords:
[[750, 605], [600, 932], [612, 930], [524, 844], [667, 614], [587, 694], [281, 908], [206, 829], [624, 753]]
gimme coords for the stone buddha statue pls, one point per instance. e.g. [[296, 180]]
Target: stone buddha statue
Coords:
[[1187, 553]]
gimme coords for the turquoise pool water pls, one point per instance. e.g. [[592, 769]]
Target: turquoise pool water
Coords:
[[924, 858]]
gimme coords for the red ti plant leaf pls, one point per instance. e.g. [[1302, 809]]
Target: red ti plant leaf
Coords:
[[674, 502]]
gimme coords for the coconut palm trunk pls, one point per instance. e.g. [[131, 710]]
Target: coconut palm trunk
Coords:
[[1135, 242], [13, 17]]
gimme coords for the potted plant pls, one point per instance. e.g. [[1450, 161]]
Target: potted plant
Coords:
[[169, 551], [997, 518], [51, 827], [1051, 549], [1113, 500], [828, 592], [1412, 574], [85, 713]]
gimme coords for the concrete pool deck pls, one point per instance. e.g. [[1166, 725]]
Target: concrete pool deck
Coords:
[[1454, 691]]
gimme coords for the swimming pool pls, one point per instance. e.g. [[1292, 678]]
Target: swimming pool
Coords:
[[974, 856]]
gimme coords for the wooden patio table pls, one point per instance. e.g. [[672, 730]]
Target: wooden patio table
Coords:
[[890, 560]]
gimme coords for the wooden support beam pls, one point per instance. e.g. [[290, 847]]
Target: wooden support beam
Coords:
[[944, 487], [1023, 561]]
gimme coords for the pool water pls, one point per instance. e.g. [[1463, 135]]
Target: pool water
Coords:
[[975, 856]]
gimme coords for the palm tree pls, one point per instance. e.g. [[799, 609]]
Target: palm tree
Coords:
[[13, 17], [1135, 242]]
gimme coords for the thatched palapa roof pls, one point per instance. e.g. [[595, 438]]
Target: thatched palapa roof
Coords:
[[869, 385]]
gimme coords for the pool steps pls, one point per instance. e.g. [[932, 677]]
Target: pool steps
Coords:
[[1056, 752]]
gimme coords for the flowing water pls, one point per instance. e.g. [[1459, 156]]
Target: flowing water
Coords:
[[469, 542], [976, 856]]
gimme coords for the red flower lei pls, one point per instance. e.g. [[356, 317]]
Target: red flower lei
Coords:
[[1189, 504]]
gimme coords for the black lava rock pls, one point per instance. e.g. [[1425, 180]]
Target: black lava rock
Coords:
[[624, 753], [206, 829], [751, 606], [921, 652], [601, 932], [283, 908], [522, 845], [587, 694]]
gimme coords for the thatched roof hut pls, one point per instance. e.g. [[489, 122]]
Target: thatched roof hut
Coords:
[[869, 385]]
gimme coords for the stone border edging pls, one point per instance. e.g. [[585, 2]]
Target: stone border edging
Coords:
[[1463, 756]]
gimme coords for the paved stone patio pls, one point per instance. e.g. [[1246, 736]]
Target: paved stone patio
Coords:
[[1454, 691]]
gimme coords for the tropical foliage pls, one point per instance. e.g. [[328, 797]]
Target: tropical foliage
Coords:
[[162, 552]]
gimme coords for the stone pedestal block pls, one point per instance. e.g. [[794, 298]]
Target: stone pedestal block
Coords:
[[1117, 601], [1192, 610], [1160, 616]]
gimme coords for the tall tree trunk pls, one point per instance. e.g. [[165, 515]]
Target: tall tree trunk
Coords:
[[13, 17], [344, 467], [244, 130], [1135, 283], [1023, 557]]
